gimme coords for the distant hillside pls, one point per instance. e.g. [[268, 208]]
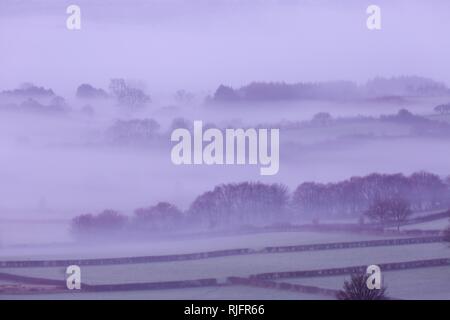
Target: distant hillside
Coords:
[[378, 88]]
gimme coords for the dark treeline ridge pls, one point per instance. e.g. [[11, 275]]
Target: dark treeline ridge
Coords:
[[148, 130], [382, 198], [405, 86]]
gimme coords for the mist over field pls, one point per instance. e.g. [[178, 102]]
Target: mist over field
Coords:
[[86, 118]]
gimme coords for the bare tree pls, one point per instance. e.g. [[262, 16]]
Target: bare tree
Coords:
[[379, 211], [396, 210], [399, 212]]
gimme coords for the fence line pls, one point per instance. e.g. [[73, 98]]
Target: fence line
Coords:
[[354, 269], [265, 280], [282, 286], [218, 253]]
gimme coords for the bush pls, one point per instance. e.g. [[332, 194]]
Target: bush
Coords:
[[356, 289]]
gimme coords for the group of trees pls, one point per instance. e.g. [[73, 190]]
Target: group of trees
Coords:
[[442, 108], [226, 206], [241, 204], [385, 199], [333, 90], [29, 90], [420, 125], [122, 91], [134, 131], [423, 191], [160, 217], [108, 222], [56, 105], [87, 91], [29, 98], [277, 91], [405, 86]]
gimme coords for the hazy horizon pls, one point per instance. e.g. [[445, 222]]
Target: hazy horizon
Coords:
[[171, 45]]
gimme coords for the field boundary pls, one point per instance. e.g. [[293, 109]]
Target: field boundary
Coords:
[[218, 253], [414, 264], [282, 286], [264, 280]]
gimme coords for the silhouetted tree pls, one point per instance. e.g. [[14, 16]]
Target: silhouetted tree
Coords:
[[399, 212], [29, 90], [225, 94], [395, 210], [161, 216], [379, 211], [86, 91], [356, 289]]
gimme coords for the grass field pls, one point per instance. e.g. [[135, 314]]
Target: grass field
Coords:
[[207, 293], [178, 246], [244, 265], [426, 283], [423, 283], [439, 224]]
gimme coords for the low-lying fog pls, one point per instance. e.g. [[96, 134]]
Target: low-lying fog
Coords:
[[54, 167], [59, 166]]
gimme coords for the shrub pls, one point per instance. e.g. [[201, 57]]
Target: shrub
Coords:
[[356, 289]]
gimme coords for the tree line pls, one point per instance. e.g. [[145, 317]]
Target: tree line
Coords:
[[332, 90], [382, 198]]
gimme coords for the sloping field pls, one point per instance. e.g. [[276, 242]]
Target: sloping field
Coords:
[[243, 265], [180, 245], [439, 224], [207, 293], [425, 283]]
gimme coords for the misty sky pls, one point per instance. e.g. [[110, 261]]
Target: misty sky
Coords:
[[197, 45]]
